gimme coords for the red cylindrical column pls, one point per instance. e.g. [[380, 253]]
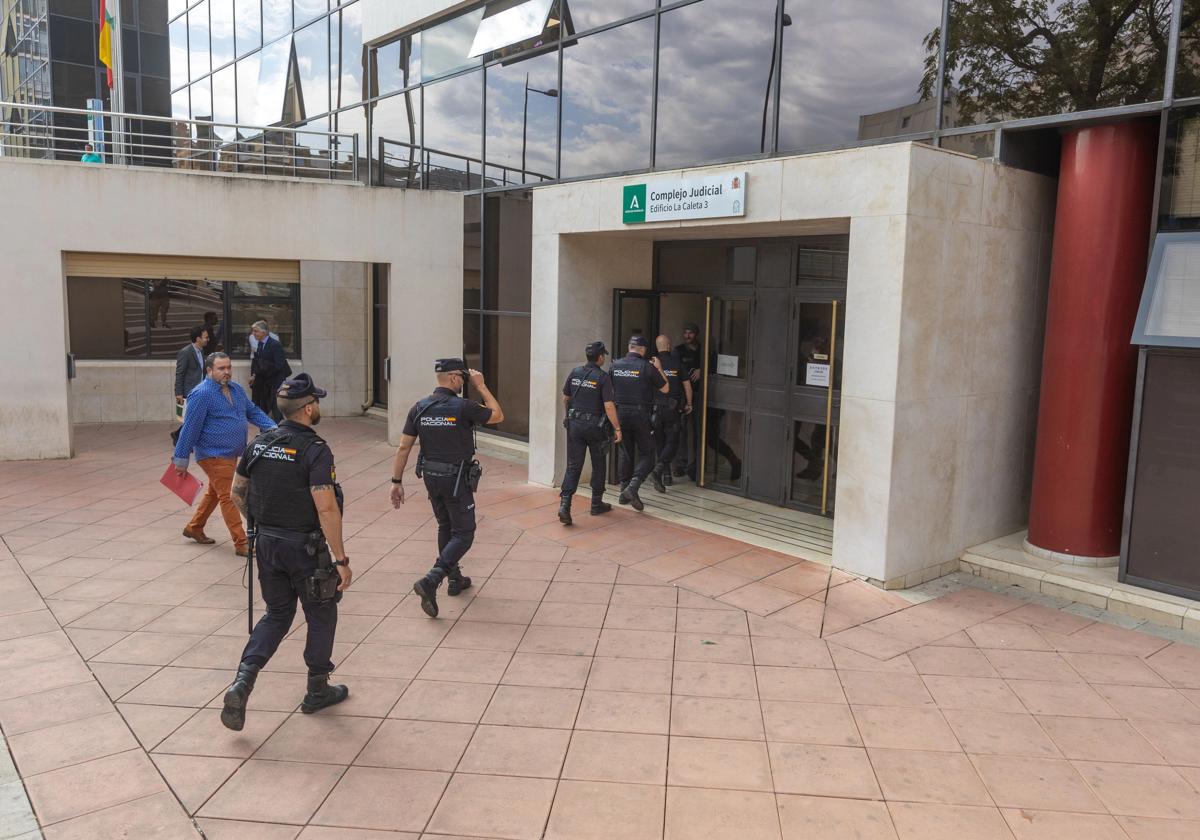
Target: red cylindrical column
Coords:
[[1105, 193]]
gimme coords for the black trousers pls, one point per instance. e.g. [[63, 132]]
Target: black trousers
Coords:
[[282, 567], [688, 454], [637, 443], [584, 437], [455, 517], [668, 425]]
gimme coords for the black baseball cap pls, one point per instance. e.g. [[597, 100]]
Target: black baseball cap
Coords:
[[638, 341], [449, 365], [596, 348], [691, 325], [300, 385]]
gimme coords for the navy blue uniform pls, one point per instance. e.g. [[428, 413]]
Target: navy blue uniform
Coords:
[[286, 516], [689, 448], [589, 388], [668, 410], [445, 427], [635, 382]]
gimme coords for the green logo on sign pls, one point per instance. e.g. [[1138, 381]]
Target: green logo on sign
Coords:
[[634, 204]]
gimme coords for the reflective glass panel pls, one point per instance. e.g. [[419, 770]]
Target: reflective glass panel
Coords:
[[221, 31], [181, 108], [608, 81], [351, 121], [1187, 62], [247, 87], [508, 220], [507, 22], [306, 10], [155, 52], [826, 100], [396, 65], [725, 447], [224, 103], [396, 139], [981, 144], [808, 463], [202, 99], [179, 53], [714, 62], [277, 18], [522, 120], [1011, 59], [312, 59], [580, 15], [346, 49], [175, 307], [506, 368], [107, 317], [472, 340], [731, 323], [472, 253], [815, 347], [174, 7], [444, 47], [248, 21], [272, 82], [198, 48], [453, 136], [152, 16], [1174, 306], [280, 315]]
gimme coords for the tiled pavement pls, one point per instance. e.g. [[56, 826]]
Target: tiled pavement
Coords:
[[574, 693]]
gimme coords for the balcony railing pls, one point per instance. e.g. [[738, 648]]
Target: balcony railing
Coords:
[[410, 166], [53, 133]]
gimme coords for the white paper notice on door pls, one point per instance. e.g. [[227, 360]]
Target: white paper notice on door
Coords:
[[816, 374], [727, 365]]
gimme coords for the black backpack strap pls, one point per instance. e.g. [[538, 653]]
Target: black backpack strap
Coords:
[[266, 440], [428, 403]]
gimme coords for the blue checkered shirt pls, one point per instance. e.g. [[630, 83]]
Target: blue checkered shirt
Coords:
[[215, 428]]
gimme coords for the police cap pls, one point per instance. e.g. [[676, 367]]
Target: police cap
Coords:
[[449, 365], [638, 341], [596, 348], [300, 386]]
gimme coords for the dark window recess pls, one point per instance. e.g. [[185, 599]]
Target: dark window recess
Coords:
[[130, 56], [508, 219], [73, 40], [506, 367], [113, 318], [155, 55]]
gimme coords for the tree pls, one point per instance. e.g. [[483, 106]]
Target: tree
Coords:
[[1009, 59]]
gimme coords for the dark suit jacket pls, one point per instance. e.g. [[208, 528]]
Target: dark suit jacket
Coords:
[[189, 372], [269, 368]]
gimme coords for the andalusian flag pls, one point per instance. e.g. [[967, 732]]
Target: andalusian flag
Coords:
[[106, 29]]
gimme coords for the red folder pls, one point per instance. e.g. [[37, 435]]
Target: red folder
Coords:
[[184, 486]]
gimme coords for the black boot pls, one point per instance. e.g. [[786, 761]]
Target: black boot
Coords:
[[735, 468], [629, 496], [665, 475], [457, 582], [322, 694], [427, 590], [623, 499], [564, 510], [234, 713], [599, 506], [656, 480]]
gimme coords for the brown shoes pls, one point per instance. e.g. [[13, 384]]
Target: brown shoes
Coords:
[[198, 536], [241, 551]]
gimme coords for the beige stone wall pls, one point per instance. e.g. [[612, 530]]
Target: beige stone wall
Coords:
[[75, 207], [948, 262]]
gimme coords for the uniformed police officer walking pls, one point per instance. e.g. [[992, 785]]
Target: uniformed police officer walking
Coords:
[[445, 422], [286, 487], [670, 408], [588, 398], [635, 382]]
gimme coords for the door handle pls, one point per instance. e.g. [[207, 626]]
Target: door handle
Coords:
[[387, 369]]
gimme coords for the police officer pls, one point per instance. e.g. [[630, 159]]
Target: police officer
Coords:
[[286, 487], [691, 357], [588, 398], [635, 382], [670, 408], [444, 422]]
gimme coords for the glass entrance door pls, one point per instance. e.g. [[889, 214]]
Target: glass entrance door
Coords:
[[815, 402], [381, 361]]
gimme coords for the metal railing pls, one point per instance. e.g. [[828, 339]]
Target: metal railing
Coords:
[[54, 133], [400, 164]]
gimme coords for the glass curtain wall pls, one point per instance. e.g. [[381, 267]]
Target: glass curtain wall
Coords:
[[24, 76]]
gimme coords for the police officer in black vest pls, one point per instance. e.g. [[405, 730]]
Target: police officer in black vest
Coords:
[[445, 423], [287, 489], [670, 408], [588, 398], [635, 382]]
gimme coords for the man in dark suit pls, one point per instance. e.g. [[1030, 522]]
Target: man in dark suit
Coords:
[[189, 366], [268, 368]]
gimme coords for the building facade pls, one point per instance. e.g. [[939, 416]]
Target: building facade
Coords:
[[881, 310]]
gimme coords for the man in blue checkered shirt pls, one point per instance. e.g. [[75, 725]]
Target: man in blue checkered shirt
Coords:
[[218, 415]]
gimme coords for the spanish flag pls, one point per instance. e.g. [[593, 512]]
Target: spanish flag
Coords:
[[106, 28]]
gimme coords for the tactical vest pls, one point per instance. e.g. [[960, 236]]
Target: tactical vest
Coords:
[[631, 381], [280, 496], [586, 383]]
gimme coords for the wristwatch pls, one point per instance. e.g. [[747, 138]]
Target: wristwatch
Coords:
[[345, 561], [397, 481]]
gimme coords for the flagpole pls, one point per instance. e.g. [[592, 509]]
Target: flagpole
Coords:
[[117, 97]]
